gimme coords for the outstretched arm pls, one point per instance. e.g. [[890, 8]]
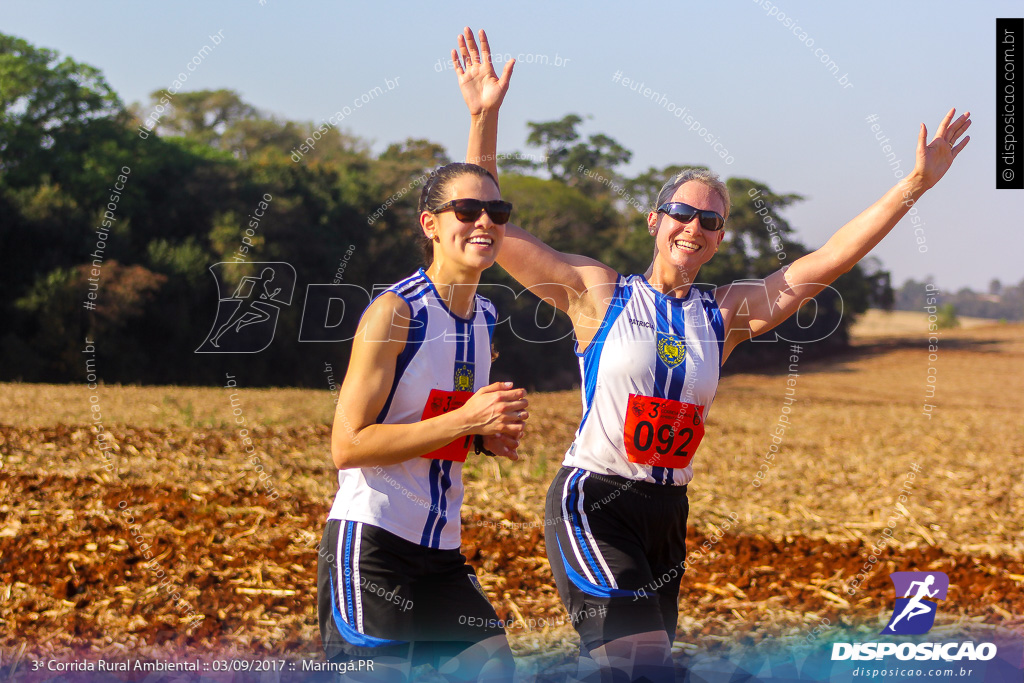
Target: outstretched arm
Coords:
[[753, 308], [578, 285]]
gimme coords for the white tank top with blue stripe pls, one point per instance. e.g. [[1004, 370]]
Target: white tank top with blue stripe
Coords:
[[652, 345], [420, 499]]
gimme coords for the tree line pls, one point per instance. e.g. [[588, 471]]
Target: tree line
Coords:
[[90, 205], [1000, 302]]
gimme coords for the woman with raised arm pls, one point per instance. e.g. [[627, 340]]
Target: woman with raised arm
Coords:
[[650, 347], [393, 586]]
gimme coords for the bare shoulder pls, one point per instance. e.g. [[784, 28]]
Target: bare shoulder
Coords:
[[598, 280], [587, 311], [386, 319]]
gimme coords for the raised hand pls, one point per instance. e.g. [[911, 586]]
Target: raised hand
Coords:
[[480, 86], [934, 158]]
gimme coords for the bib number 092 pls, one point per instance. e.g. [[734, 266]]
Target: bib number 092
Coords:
[[662, 432]]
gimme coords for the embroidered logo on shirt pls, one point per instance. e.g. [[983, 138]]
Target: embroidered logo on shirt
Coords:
[[671, 349], [463, 377]]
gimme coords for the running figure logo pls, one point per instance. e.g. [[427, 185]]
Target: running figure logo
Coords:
[[915, 611], [253, 305]]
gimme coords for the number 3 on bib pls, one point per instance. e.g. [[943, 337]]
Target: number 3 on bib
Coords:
[[440, 402], [661, 432]]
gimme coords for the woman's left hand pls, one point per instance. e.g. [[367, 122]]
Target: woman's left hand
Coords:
[[934, 158], [481, 87], [502, 446]]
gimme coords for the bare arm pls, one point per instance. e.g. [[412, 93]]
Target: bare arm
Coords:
[[357, 440], [753, 308], [577, 285], [484, 93]]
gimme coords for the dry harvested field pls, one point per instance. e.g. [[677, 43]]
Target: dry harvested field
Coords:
[[876, 323], [72, 577]]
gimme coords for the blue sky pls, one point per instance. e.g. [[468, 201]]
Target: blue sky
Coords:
[[752, 82]]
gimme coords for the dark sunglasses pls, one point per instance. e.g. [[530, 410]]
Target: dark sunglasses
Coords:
[[468, 210], [684, 213]]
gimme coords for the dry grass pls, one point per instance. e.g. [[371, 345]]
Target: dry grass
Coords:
[[68, 579], [879, 323]]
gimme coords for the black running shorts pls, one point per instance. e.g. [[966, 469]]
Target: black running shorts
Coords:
[[617, 549], [378, 593]]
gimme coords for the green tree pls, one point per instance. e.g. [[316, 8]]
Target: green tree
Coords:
[[202, 115], [48, 108], [193, 186], [419, 154], [566, 161], [517, 163], [947, 318]]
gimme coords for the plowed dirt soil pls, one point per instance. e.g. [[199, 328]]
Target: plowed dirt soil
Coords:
[[233, 569]]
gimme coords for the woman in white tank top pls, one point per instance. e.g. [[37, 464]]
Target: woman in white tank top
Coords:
[[393, 586], [649, 347]]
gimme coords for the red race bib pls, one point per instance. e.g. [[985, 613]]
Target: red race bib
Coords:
[[438, 403], [662, 432]]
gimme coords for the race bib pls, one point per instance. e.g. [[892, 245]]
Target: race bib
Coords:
[[440, 402], [662, 432]]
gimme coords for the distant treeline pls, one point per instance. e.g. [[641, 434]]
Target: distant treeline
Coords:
[[999, 303], [108, 230]]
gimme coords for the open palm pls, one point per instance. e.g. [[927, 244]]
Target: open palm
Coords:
[[934, 158], [480, 86]]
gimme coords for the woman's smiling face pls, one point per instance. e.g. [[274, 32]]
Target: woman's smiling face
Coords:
[[687, 246], [470, 245]]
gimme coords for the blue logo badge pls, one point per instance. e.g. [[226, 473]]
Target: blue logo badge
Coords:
[[671, 349], [915, 611], [463, 377]]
